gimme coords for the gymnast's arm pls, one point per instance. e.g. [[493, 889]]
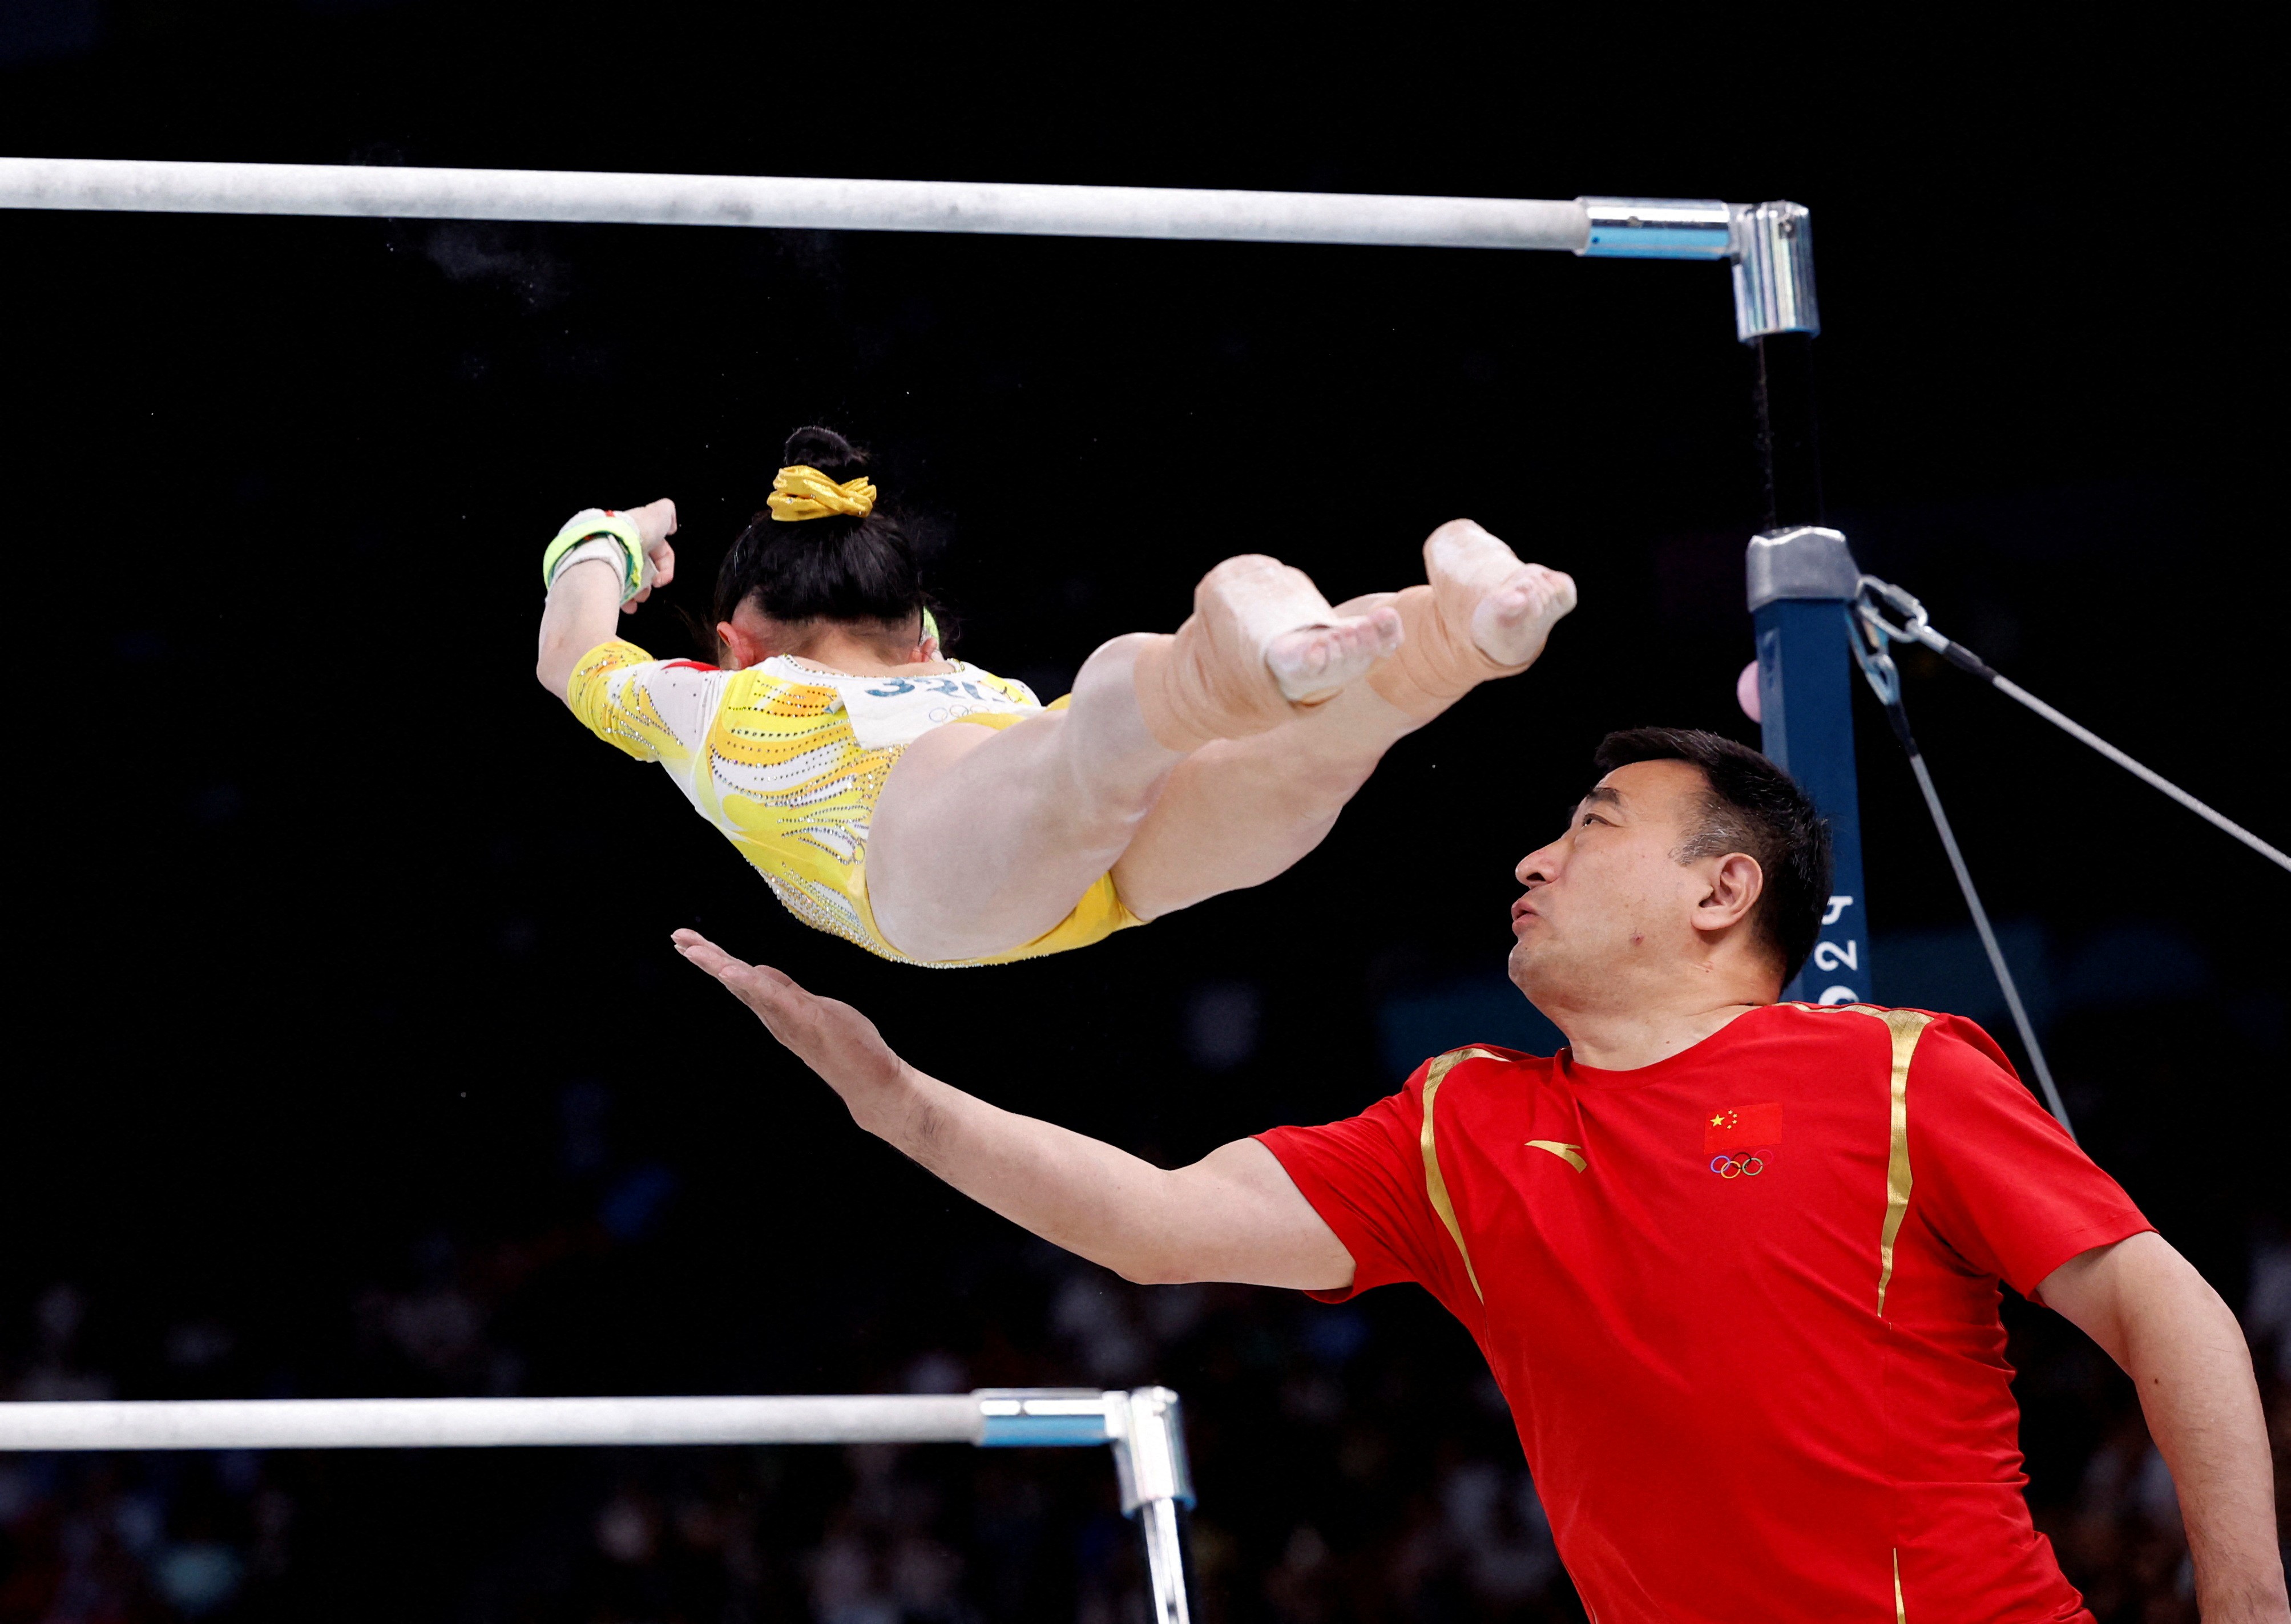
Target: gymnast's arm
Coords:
[[579, 615], [1232, 1216]]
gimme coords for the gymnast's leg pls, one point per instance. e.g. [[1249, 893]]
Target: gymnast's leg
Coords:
[[1240, 811], [983, 840]]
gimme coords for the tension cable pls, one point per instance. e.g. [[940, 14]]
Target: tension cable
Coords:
[[1877, 596], [1869, 633]]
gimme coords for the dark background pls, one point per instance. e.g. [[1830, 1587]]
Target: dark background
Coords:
[[350, 1056]]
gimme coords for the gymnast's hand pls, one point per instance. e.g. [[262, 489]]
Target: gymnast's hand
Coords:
[[656, 522], [831, 1038], [579, 613]]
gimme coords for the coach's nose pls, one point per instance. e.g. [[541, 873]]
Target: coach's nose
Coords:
[[1539, 866]]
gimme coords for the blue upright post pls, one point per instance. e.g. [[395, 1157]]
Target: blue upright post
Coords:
[[1802, 578], [1801, 582]]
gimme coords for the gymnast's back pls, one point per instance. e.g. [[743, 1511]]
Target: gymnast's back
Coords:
[[828, 667]]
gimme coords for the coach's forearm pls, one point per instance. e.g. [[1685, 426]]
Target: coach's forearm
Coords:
[[1234, 1215], [2162, 1322], [583, 611], [1076, 1193], [2184, 1349]]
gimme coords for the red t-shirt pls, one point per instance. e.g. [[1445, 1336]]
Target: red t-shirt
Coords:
[[1743, 1303]]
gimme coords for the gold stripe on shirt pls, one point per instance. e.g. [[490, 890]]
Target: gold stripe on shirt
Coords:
[[1906, 1025], [1435, 1188], [1900, 1613]]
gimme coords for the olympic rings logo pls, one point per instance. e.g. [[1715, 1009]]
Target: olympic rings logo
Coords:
[[1745, 1166]]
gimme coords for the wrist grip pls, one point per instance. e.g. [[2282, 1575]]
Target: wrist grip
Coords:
[[593, 522]]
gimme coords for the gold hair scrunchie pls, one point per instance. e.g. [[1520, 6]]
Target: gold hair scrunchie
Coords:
[[801, 493]]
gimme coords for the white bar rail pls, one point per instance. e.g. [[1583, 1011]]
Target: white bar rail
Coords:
[[788, 203], [993, 1418], [461, 1423]]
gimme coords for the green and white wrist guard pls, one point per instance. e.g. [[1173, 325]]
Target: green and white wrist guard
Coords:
[[591, 522]]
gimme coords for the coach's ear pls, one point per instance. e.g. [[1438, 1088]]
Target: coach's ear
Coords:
[[1735, 884]]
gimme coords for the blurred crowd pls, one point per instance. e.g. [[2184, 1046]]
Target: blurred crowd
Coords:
[[1356, 1463]]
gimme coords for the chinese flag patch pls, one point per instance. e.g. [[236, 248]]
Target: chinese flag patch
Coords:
[[1743, 1128]]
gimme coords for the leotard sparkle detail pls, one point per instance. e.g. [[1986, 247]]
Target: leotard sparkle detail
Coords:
[[787, 760]]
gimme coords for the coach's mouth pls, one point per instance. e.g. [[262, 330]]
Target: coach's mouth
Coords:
[[1523, 908]]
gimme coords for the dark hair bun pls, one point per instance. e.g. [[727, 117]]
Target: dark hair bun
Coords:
[[859, 572], [826, 450]]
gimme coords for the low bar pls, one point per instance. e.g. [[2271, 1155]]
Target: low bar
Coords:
[[1145, 1428], [1149, 1460], [1048, 1418], [481, 1423]]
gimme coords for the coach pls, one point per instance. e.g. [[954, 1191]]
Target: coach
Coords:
[[1734, 1262]]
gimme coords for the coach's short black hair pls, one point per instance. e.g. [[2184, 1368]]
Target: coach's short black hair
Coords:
[[1754, 807]]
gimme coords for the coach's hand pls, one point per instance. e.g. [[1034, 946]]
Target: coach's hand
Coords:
[[831, 1038], [1233, 1215]]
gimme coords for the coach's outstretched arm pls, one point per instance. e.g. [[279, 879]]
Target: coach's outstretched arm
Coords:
[[2159, 1319], [1232, 1216]]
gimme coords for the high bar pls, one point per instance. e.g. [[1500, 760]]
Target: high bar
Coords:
[[990, 1417], [1643, 228]]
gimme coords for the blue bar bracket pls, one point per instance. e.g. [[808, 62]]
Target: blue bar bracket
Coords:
[[1802, 582], [1034, 1418], [1658, 228]]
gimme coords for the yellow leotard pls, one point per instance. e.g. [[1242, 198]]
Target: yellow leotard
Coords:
[[787, 760]]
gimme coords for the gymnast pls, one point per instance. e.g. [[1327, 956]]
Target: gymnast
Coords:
[[936, 814]]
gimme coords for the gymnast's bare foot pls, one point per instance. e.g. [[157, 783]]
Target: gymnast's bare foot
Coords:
[[1514, 606], [1513, 622], [1315, 662], [1261, 643]]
